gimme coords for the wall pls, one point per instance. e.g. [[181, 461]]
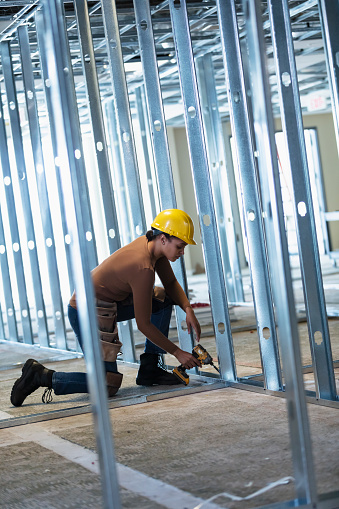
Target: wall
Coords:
[[328, 149], [185, 190]]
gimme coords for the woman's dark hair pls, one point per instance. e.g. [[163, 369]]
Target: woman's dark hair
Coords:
[[153, 233]]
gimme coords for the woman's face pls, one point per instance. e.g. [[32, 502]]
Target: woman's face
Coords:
[[173, 248]]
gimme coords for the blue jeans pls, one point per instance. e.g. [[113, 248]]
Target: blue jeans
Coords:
[[72, 383]]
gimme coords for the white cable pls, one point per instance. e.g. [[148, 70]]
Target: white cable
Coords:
[[284, 480]]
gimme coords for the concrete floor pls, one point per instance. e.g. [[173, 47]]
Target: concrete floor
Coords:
[[175, 446]]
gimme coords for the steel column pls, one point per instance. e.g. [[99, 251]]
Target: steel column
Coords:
[[237, 100], [123, 116], [159, 139], [101, 151], [219, 179], [15, 240], [13, 109], [303, 207], [82, 182], [97, 123], [203, 190], [35, 136], [119, 179], [278, 256], [46, 83], [145, 135], [72, 166], [329, 19]]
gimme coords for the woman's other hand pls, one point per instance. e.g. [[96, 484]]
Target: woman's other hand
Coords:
[[192, 322]]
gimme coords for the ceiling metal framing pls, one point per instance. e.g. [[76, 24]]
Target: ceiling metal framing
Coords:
[[205, 33]]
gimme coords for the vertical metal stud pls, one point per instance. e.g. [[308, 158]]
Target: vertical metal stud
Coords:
[[144, 130], [279, 258], [101, 151], [219, 179], [14, 231], [97, 123], [123, 116], [46, 84], [22, 177], [329, 19], [35, 136], [237, 100], [203, 191], [7, 288], [72, 165], [82, 182], [160, 143], [118, 173], [303, 208]]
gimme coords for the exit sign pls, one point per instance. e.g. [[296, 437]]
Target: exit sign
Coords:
[[316, 101]]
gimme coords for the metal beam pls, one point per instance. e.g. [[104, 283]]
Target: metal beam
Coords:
[[35, 137], [123, 117], [255, 233], [278, 256], [203, 190], [221, 185], [329, 19], [15, 243], [291, 117], [13, 109], [101, 150], [72, 166], [160, 146]]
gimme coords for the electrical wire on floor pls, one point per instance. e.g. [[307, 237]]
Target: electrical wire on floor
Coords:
[[283, 480]]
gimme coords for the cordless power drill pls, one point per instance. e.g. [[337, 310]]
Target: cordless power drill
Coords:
[[200, 353]]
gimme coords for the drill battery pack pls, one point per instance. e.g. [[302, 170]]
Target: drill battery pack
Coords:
[[180, 372]]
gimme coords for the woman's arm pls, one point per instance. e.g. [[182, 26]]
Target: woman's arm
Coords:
[[177, 294], [142, 300]]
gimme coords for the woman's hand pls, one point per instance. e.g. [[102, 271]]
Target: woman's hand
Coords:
[[192, 321], [186, 359]]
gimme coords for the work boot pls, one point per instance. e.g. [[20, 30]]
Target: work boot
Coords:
[[34, 375], [113, 382], [152, 372]]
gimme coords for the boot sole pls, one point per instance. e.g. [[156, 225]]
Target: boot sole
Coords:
[[149, 384], [22, 379]]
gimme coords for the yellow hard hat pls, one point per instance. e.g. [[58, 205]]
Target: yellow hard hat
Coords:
[[177, 223]]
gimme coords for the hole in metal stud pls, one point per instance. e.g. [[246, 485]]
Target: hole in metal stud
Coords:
[[184, 325], [266, 332], [236, 97], [286, 79], [143, 24], [318, 337], [251, 215], [191, 111], [221, 327], [126, 137], [302, 210], [207, 220], [157, 125], [177, 4]]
